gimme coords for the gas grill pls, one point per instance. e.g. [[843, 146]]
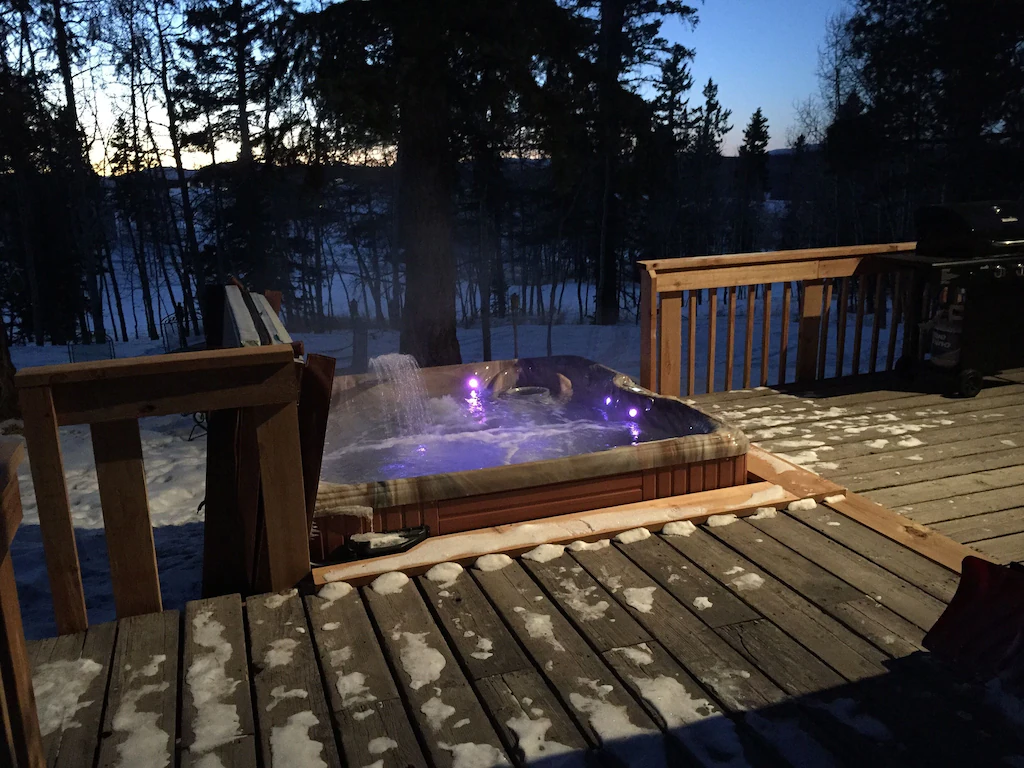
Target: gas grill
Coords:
[[967, 295]]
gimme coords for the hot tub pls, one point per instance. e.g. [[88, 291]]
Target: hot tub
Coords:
[[483, 444]]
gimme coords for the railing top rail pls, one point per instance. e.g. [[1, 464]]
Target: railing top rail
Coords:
[[699, 263], [157, 365]]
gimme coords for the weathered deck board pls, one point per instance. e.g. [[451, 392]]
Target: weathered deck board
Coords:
[[289, 702], [583, 682], [82, 660], [444, 707], [140, 721], [362, 694], [216, 686], [826, 638], [910, 566], [901, 597], [733, 680]]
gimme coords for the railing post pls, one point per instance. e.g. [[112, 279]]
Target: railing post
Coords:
[[648, 331], [808, 331], [20, 739], [671, 343]]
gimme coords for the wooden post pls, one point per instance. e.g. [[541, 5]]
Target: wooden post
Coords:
[[54, 509], [648, 331], [117, 447], [277, 434], [227, 553], [20, 740], [670, 343], [808, 331]]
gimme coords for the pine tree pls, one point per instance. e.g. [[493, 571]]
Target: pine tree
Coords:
[[711, 123], [752, 181]]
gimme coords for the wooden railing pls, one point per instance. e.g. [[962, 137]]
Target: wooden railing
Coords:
[[20, 740], [827, 283], [110, 396]]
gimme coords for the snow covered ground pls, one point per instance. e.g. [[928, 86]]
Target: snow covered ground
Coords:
[[175, 467]]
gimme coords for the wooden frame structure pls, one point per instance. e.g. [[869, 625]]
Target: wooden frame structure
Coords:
[[110, 396], [819, 273]]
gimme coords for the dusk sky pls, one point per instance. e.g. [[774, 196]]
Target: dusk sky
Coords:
[[762, 53]]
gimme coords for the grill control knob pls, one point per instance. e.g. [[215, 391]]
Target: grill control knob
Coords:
[[1020, 270], [1000, 271]]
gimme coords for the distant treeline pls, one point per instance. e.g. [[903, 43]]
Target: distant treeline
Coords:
[[430, 158]]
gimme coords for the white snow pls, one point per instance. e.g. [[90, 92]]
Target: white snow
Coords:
[[575, 598], [332, 593], [672, 701], [531, 738], [640, 598], [276, 601], [734, 570], [877, 444], [217, 720], [747, 581], [719, 521], [445, 574], [280, 693], [380, 745], [352, 689], [378, 540], [59, 686], [470, 755], [291, 745], [634, 535], [460, 723], [422, 663], [489, 563], [144, 742], [803, 505], [764, 513], [910, 442], [617, 732], [436, 712], [835, 499], [544, 553], [583, 546], [483, 650], [280, 652], [639, 654], [360, 716], [389, 583], [701, 603], [679, 528], [538, 626]]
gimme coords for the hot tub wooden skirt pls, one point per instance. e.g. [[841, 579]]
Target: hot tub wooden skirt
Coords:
[[535, 502]]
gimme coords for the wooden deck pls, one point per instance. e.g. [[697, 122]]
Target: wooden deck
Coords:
[[952, 464], [792, 640]]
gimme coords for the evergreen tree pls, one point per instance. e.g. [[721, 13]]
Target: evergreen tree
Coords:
[[752, 181], [711, 123]]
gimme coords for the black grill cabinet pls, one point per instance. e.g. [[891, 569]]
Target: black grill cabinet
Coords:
[[969, 264]]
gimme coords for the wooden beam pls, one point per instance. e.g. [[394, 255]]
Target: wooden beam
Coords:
[[117, 447], [698, 263], [156, 365], [808, 331], [54, 509], [595, 524], [670, 318], [183, 391], [923, 540], [22, 722], [648, 331], [227, 551], [11, 454], [764, 466], [277, 434]]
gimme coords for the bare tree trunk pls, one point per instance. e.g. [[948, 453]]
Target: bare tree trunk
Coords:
[[427, 184], [81, 217]]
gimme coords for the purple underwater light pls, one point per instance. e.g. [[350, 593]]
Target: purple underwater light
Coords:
[[474, 382], [633, 412]]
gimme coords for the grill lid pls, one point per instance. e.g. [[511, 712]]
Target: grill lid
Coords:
[[971, 230]]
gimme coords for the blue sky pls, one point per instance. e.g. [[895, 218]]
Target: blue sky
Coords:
[[762, 53]]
